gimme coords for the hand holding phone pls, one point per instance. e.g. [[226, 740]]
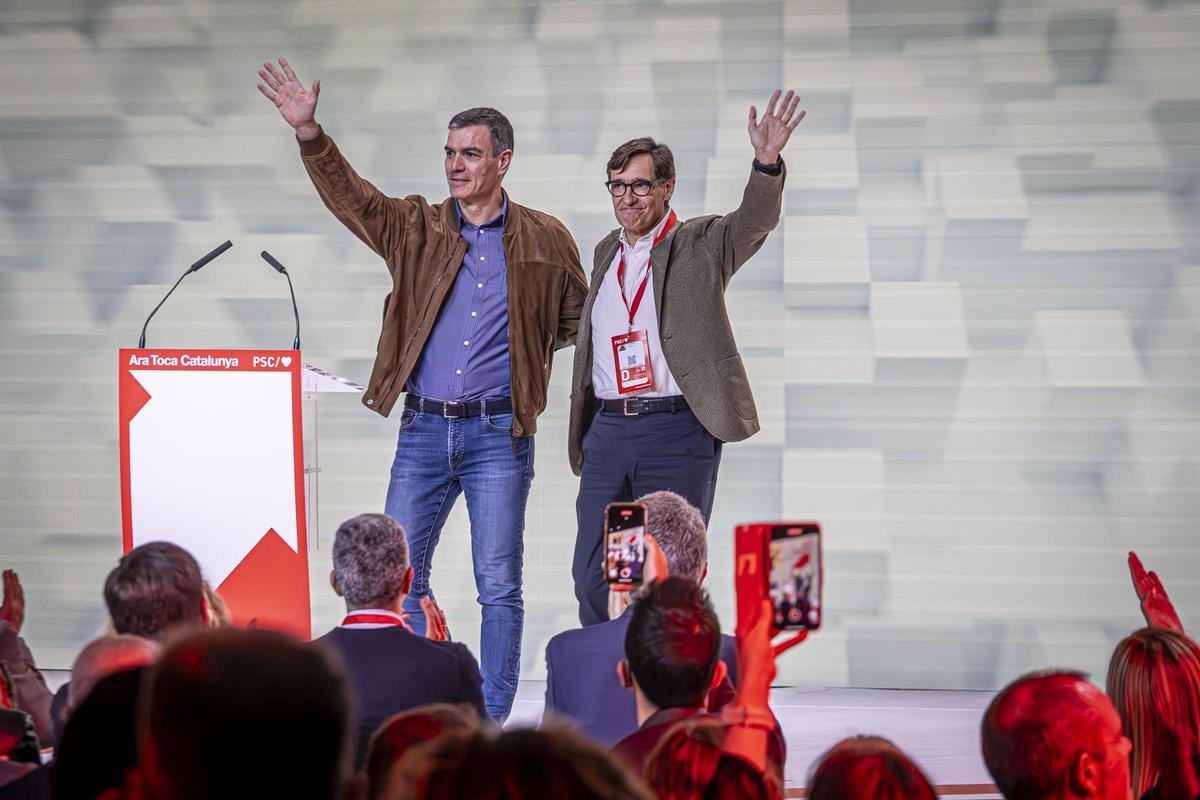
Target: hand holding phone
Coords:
[[624, 545], [780, 563]]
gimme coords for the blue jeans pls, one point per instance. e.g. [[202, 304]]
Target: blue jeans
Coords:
[[436, 460]]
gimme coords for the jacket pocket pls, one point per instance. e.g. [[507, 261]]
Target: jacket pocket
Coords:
[[737, 386]]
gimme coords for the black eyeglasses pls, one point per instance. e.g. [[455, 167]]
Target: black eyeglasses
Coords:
[[640, 188]]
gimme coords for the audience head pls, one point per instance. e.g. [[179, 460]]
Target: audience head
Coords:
[[1154, 680], [680, 532], [485, 764], [1049, 735], [103, 657], [98, 745], [155, 587], [406, 730], [672, 645], [219, 691], [370, 562], [689, 763], [218, 612], [868, 768]]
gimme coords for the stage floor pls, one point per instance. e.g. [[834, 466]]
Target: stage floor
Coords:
[[940, 729]]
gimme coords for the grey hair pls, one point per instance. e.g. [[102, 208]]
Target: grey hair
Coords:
[[680, 532], [497, 123], [370, 560]]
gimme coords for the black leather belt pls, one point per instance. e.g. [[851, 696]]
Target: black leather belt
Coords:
[[636, 406], [474, 408]]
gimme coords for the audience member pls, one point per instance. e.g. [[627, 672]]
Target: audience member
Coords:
[[235, 713], [98, 745], [391, 669], [671, 663], [581, 676], [1053, 736], [104, 656], [690, 763], [154, 588], [29, 691], [868, 768], [403, 731], [483, 763], [1154, 682]]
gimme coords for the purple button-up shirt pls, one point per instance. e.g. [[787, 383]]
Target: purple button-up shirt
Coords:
[[466, 356]]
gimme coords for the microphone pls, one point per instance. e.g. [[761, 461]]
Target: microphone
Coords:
[[216, 251], [282, 270]]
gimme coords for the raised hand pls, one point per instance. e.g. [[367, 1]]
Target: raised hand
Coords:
[[297, 105], [435, 621], [1157, 607], [12, 607], [771, 133]]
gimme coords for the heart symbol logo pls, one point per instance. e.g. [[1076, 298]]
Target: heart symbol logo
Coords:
[[286, 361]]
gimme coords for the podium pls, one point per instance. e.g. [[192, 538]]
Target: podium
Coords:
[[212, 459]]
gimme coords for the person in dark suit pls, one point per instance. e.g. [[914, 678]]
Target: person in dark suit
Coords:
[[391, 669], [581, 664]]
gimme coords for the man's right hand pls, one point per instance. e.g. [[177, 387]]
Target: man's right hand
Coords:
[[1156, 605], [297, 105]]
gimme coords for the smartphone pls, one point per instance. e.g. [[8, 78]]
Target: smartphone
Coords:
[[794, 576], [624, 543], [782, 561]]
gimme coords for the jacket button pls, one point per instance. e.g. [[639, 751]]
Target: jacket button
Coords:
[[370, 401], [517, 430]]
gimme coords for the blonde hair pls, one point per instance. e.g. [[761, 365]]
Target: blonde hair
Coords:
[[1153, 677]]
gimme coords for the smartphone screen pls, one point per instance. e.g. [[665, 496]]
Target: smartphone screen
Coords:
[[625, 546], [794, 578]]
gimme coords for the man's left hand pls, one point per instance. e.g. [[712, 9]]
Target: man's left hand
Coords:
[[771, 133], [435, 621], [12, 608]]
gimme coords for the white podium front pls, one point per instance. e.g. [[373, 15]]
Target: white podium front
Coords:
[[212, 459]]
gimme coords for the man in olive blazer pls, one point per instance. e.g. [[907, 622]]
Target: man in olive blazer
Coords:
[[658, 286]]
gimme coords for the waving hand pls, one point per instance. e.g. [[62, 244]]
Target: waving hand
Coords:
[[771, 133]]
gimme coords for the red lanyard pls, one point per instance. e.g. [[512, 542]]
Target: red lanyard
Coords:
[[374, 619], [637, 297]]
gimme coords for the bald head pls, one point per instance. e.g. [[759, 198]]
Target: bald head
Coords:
[[1049, 735], [103, 657]]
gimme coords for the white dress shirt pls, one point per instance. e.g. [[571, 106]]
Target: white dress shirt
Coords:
[[610, 318]]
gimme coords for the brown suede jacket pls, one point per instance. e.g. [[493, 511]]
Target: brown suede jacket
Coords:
[[424, 251]]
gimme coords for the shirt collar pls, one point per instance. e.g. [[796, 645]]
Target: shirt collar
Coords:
[[383, 612], [498, 220], [649, 237], [665, 716]]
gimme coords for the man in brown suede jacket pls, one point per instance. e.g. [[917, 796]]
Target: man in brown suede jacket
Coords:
[[483, 292]]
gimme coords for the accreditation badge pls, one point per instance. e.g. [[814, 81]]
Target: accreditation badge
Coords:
[[631, 357]]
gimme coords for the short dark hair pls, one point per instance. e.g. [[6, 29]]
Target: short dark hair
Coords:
[[370, 560], [660, 154], [868, 766], [1030, 733], [155, 586], [672, 643], [498, 124], [225, 685], [486, 763], [690, 761]]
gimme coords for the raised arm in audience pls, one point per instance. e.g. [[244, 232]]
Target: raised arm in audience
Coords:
[[1156, 605], [749, 717]]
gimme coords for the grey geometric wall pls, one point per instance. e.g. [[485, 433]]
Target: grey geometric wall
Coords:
[[974, 337]]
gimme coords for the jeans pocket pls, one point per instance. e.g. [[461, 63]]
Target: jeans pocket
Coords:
[[409, 418], [501, 423]]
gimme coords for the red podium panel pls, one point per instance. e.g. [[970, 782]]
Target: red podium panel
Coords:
[[212, 459]]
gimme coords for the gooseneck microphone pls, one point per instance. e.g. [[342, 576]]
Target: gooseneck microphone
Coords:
[[270, 259], [216, 251]]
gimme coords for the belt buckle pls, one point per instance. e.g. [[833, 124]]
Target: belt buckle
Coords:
[[446, 410], [625, 409]]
